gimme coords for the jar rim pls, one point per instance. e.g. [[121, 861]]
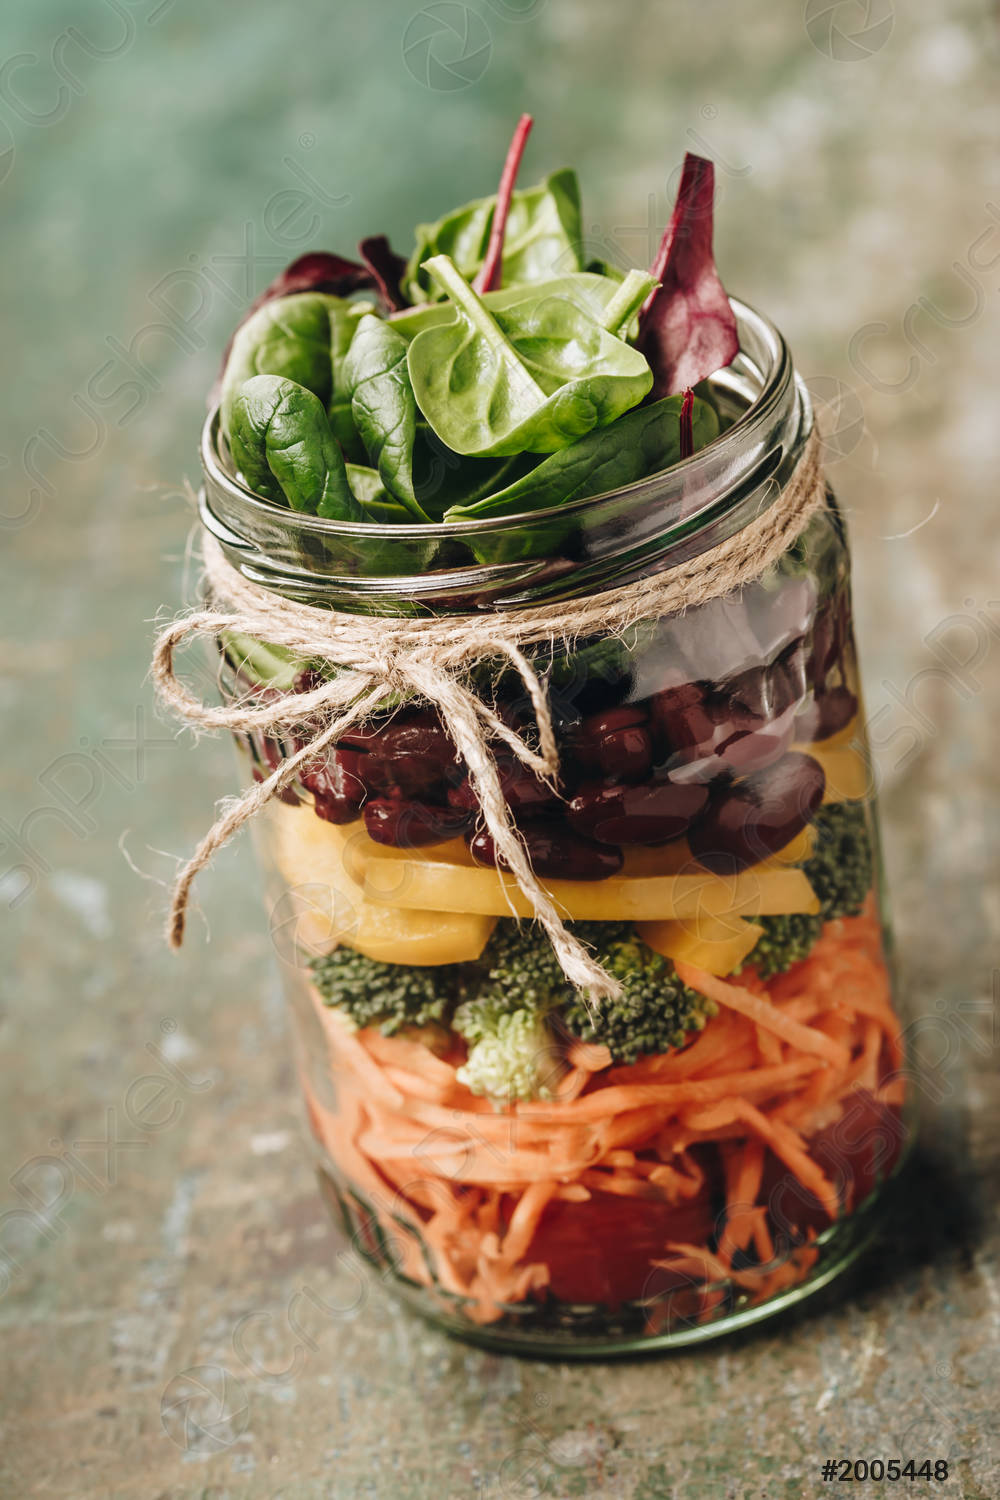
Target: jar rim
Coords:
[[692, 504]]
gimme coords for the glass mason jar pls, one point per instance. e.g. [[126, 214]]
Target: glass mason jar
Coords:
[[530, 1172]]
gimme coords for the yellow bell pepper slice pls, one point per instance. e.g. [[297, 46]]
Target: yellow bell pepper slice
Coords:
[[318, 862], [716, 944], [419, 884], [848, 773], [395, 935], [845, 761]]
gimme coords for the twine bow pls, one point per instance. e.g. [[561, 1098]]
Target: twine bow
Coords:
[[376, 661]]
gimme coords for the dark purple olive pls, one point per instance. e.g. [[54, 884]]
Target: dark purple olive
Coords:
[[555, 853], [335, 780], [651, 813], [754, 818], [827, 714], [523, 792], [408, 824]]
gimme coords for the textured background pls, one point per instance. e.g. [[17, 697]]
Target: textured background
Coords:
[[157, 163]]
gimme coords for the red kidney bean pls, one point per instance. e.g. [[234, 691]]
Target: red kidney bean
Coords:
[[555, 853], [757, 748], [681, 717], [831, 636], [366, 737], [793, 663], [411, 754], [596, 726], [614, 743], [827, 714], [335, 781], [408, 824], [408, 775], [754, 818], [651, 813], [418, 733], [761, 694], [736, 752], [523, 792], [627, 753]]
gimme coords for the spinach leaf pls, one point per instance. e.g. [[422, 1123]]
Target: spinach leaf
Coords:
[[639, 443], [542, 236], [290, 337], [281, 443], [383, 407], [533, 377], [443, 478], [343, 325], [316, 271], [382, 556], [589, 291], [413, 466], [302, 338], [378, 505]]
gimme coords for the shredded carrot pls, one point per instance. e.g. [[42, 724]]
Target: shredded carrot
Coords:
[[763, 1013], [744, 1171], [524, 1220], [591, 1056], [461, 1191]]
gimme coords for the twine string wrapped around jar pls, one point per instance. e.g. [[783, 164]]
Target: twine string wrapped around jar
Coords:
[[374, 661]]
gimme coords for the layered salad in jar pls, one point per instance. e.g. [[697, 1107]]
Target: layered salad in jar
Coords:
[[507, 1143]]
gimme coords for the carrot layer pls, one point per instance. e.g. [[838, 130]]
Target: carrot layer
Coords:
[[463, 1193]]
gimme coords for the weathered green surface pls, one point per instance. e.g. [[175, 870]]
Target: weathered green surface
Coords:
[[849, 189]]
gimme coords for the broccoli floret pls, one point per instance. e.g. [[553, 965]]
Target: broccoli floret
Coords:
[[389, 996], [785, 941], [511, 1052], [840, 869], [521, 969], [655, 1013], [840, 873]]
